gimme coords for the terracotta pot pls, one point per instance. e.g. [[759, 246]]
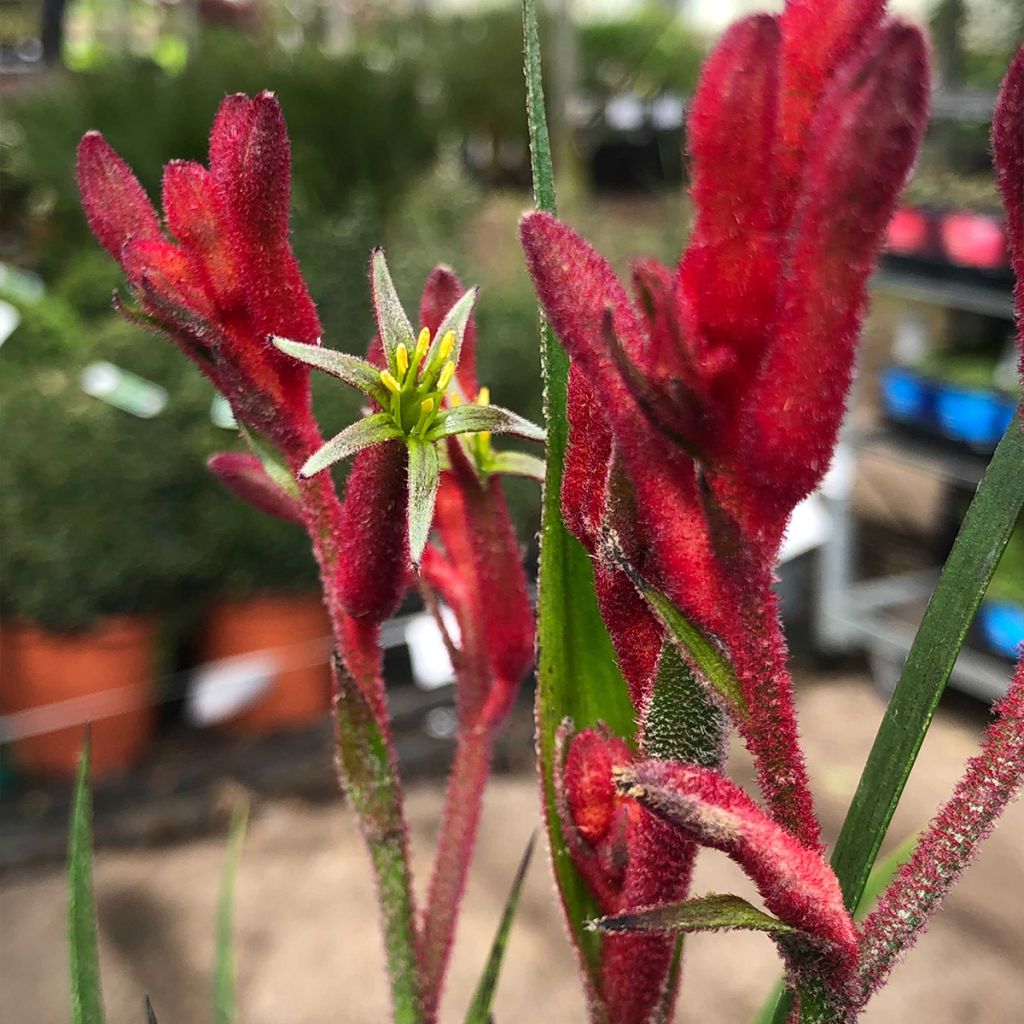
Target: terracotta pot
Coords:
[[105, 676], [296, 630]]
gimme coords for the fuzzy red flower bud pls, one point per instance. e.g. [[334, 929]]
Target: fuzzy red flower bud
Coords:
[[245, 476], [116, 205], [794, 881], [1008, 145], [373, 572]]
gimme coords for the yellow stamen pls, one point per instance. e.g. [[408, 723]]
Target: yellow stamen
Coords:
[[402, 359], [454, 400], [483, 396], [446, 376], [426, 407], [422, 344], [447, 344], [389, 382]]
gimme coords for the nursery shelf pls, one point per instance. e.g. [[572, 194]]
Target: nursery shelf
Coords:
[[941, 460], [883, 614], [988, 300]]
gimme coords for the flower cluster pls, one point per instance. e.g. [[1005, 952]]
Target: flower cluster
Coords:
[[701, 411], [227, 290]]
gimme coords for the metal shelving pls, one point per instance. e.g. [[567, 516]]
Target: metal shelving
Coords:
[[881, 615]]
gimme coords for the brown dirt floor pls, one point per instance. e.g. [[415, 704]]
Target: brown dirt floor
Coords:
[[308, 949]]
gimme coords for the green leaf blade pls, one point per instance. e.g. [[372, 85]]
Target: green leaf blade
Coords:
[[455, 320], [424, 478], [86, 995], [709, 660], [370, 430], [351, 369], [471, 419], [224, 1009], [713, 912], [573, 644], [480, 1008], [392, 322]]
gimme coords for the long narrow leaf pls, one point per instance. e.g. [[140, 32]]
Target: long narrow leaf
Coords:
[[86, 997], [150, 1012], [577, 675], [470, 419], [713, 912], [424, 477], [351, 369], [480, 1008], [373, 429], [224, 970], [985, 530]]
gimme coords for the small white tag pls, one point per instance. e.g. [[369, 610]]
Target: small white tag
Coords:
[[9, 320], [21, 284], [221, 414], [219, 690], [123, 390], [431, 666]]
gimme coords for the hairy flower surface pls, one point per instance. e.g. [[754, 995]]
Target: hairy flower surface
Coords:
[[228, 280]]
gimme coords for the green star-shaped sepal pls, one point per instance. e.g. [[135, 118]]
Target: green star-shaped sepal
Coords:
[[419, 402]]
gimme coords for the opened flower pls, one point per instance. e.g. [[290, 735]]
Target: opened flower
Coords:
[[417, 398]]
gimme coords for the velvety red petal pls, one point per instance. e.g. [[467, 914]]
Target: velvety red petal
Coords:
[[862, 147], [195, 216], [116, 205], [167, 269]]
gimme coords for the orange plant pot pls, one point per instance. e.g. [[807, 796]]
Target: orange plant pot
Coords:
[[104, 676], [297, 631]]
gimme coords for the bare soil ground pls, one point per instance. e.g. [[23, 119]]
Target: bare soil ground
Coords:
[[308, 948]]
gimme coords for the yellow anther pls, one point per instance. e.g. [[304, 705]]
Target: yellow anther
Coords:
[[446, 376], [402, 359], [454, 400], [447, 344], [389, 382], [426, 407], [483, 396], [422, 344]]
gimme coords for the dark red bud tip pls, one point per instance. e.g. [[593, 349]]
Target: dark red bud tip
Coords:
[[115, 204]]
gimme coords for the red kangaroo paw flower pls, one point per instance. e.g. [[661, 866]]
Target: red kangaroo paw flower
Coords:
[[232, 281], [992, 779], [795, 882], [818, 36], [861, 149], [730, 271], [116, 205], [245, 476], [635, 969], [1008, 145], [373, 557], [258, 196]]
